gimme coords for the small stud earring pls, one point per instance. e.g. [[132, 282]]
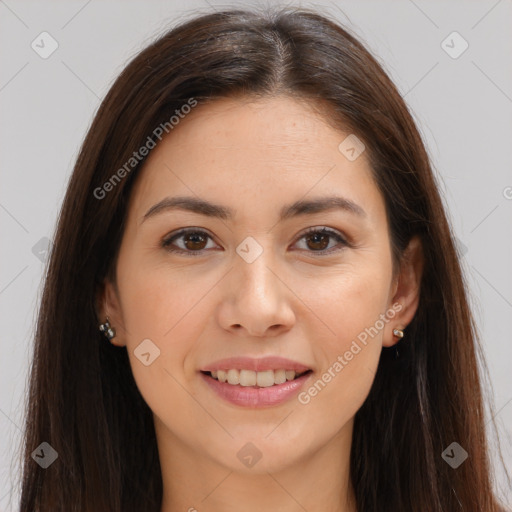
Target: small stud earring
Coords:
[[107, 330], [398, 333]]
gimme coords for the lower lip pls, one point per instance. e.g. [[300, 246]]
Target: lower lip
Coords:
[[251, 396]]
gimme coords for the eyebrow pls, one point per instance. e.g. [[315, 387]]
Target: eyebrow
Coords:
[[300, 207]]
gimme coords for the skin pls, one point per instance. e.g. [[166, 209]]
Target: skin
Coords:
[[255, 156]]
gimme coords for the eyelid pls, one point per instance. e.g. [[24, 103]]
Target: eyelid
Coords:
[[166, 241], [325, 230], [333, 233]]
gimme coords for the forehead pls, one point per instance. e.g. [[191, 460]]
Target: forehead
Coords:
[[249, 125], [263, 148]]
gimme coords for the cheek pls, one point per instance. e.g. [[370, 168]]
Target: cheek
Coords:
[[169, 306], [158, 301], [353, 311], [164, 314], [350, 302]]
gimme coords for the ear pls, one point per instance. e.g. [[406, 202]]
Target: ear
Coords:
[[405, 291], [108, 304]]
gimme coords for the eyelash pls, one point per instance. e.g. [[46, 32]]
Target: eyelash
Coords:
[[166, 243]]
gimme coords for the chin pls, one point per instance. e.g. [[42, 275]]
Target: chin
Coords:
[[258, 454]]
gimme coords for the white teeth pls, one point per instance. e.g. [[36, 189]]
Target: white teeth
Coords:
[[234, 377], [265, 379], [279, 376], [246, 378]]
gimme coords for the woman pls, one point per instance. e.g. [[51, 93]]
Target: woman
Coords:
[[253, 300]]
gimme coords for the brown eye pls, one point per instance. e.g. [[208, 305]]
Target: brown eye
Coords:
[[192, 241], [318, 240]]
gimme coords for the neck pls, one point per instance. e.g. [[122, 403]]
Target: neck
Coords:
[[318, 481]]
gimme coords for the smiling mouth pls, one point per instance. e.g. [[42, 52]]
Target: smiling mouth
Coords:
[[252, 379]]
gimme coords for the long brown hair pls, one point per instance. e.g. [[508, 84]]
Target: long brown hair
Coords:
[[82, 398]]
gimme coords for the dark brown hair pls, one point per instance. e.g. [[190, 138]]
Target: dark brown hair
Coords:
[[83, 399]]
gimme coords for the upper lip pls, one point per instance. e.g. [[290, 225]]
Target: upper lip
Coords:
[[257, 365]]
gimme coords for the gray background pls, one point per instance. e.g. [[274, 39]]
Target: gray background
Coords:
[[463, 107]]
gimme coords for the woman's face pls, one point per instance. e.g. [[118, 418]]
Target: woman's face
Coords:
[[250, 283]]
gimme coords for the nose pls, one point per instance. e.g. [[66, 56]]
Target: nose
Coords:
[[256, 301]]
